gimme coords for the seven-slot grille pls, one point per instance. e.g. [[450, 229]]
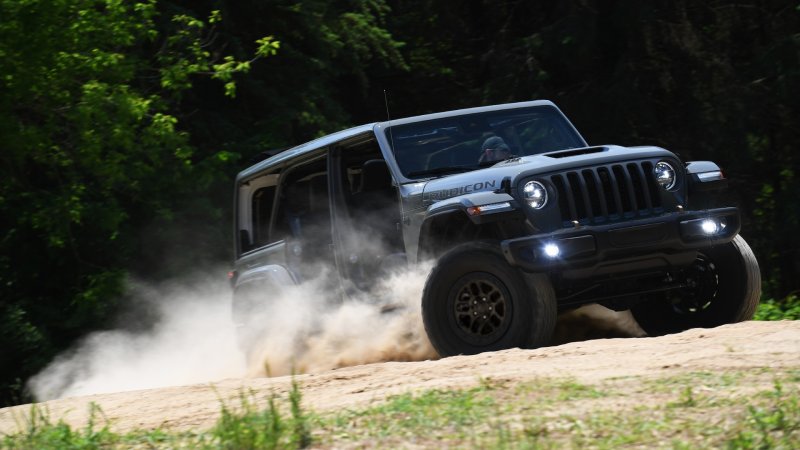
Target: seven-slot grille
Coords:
[[607, 193]]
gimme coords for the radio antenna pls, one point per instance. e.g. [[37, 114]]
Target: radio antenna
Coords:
[[389, 119], [386, 102]]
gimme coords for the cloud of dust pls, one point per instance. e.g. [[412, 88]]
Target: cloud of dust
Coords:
[[304, 331], [192, 339], [176, 334], [594, 321]]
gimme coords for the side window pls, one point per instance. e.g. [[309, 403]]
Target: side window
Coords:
[[288, 202], [303, 208], [261, 205], [254, 208]]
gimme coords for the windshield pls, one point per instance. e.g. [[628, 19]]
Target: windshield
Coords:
[[468, 142]]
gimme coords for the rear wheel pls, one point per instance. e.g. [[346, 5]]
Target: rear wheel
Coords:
[[474, 301], [724, 287], [249, 314]]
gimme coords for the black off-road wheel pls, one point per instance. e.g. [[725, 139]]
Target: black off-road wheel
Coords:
[[474, 302], [724, 286]]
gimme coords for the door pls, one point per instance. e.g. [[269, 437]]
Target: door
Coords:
[[366, 213]]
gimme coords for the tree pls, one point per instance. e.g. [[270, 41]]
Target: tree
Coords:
[[715, 80], [92, 153]]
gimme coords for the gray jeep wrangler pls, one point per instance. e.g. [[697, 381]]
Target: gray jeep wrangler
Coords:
[[522, 218]]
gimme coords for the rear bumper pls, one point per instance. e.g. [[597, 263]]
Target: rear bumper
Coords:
[[585, 247]]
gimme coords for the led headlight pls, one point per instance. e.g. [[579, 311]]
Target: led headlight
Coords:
[[535, 194], [665, 175]]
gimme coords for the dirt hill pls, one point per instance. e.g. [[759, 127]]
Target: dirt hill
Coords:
[[743, 346]]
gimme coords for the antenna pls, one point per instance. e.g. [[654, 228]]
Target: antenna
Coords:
[[386, 102], [389, 119]]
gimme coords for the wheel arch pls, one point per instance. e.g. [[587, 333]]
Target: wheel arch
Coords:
[[266, 278], [460, 219], [444, 230]]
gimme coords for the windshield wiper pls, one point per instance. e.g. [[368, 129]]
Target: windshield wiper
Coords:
[[442, 170]]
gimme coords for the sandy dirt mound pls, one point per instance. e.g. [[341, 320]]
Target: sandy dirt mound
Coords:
[[739, 346]]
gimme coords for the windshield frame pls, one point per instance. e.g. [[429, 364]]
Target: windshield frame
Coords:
[[387, 133]]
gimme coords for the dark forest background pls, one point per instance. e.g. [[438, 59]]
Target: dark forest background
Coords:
[[123, 124]]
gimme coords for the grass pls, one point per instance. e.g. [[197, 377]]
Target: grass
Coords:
[[757, 409]]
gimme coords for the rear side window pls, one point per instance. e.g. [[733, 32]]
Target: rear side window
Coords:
[[288, 202], [254, 211], [303, 203], [262, 202]]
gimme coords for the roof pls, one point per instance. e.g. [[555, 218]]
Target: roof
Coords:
[[361, 129], [304, 148]]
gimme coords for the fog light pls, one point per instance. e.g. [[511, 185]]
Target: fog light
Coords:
[[551, 250], [709, 226]]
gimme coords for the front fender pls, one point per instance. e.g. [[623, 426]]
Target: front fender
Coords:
[[453, 220], [478, 207]]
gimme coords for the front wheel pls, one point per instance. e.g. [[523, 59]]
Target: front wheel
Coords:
[[724, 287], [474, 301]]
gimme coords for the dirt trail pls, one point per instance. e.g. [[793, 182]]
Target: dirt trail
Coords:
[[740, 346]]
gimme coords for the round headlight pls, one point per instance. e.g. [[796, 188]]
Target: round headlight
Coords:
[[535, 194], [665, 175]]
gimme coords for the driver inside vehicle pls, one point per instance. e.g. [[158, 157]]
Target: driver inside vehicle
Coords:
[[494, 149]]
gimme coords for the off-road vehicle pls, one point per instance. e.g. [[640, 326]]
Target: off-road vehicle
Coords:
[[522, 218]]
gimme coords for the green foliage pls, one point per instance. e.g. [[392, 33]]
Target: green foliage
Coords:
[[773, 426], [787, 309], [325, 64], [249, 428], [687, 399], [301, 436], [405, 415], [242, 427], [760, 409], [186, 53], [41, 433], [93, 153]]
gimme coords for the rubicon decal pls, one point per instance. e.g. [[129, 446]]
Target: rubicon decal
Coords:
[[461, 190]]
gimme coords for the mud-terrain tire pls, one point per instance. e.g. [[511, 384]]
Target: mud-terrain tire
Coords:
[[474, 302], [728, 290]]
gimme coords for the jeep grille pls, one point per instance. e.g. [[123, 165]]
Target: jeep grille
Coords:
[[607, 193]]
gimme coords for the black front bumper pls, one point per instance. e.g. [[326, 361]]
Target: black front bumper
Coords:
[[629, 243]]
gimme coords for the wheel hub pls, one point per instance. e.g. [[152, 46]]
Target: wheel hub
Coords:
[[480, 307], [702, 285]]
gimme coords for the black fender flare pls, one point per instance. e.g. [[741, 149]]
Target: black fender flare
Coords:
[[272, 277], [469, 210]]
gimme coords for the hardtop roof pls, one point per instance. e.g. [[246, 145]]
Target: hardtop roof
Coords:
[[361, 129]]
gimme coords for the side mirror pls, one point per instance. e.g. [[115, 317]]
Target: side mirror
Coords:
[[705, 176]]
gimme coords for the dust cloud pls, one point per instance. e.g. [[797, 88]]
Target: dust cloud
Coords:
[[190, 337], [306, 332], [176, 333]]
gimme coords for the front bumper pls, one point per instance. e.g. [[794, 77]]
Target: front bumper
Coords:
[[587, 246]]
